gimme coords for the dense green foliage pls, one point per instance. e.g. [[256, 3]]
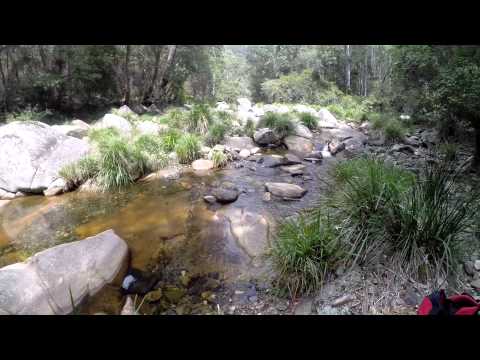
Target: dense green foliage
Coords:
[[309, 120]]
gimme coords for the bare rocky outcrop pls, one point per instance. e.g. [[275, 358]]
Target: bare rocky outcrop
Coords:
[[33, 153]]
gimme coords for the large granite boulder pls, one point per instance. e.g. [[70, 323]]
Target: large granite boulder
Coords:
[[265, 136], [46, 283], [151, 128], [302, 131], [32, 154], [116, 122], [77, 128]]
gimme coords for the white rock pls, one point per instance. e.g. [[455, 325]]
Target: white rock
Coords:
[[202, 164], [240, 142], [298, 144], [222, 106], [150, 128], [476, 265], [245, 153], [57, 187], [303, 131], [32, 155], [114, 121]]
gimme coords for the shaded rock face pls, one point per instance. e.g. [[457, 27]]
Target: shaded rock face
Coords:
[[114, 121], [32, 154], [303, 131], [354, 140], [271, 161], [286, 190], [294, 169], [265, 136], [43, 283], [226, 193], [298, 144]]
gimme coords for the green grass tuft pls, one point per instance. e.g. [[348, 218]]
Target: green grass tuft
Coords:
[[188, 148], [304, 252], [280, 123], [309, 120]]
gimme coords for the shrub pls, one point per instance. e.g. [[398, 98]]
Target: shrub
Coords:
[[304, 251], [177, 118], [351, 108], [394, 131], [216, 134], [187, 148], [169, 140], [309, 120], [280, 123], [219, 158], [449, 151]]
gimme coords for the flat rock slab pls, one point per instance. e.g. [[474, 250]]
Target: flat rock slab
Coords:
[[298, 144], [33, 153], [43, 284], [167, 174], [202, 164], [286, 190], [293, 169], [250, 229], [291, 159], [271, 161], [240, 142]]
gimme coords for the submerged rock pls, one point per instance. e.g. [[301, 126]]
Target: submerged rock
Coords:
[[285, 190], [202, 164], [44, 283], [226, 194], [271, 161], [32, 155], [293, 169]]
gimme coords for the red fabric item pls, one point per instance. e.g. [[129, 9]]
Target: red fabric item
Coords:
[[438, 304], [425, 307]]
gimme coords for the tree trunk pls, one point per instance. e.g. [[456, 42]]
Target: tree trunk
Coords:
[[348, 69], [476, 160], [149, 92], [127, 76], [171, 55]]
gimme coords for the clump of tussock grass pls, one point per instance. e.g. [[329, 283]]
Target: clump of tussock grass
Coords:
[[77, 173], [219, 158], [199, 119], [394, 130], [309, 120], [280, 123], [169, 140], [188, 148], [304, 252], [216, 133]]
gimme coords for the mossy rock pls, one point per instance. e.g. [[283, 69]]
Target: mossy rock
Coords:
[[154, 296]]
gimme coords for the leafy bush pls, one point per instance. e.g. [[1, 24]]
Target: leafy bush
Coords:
[[304, 252], [177, 118], [280, 123], [349, 108], [309, 120], [169, 140], [394, 131], [216, 134], [188, 148]]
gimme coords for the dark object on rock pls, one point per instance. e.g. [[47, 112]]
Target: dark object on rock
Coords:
[[291, 159], [335, 148], [437, 303], [313, 160], [315, 155], [407, 149], [137, 282]]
